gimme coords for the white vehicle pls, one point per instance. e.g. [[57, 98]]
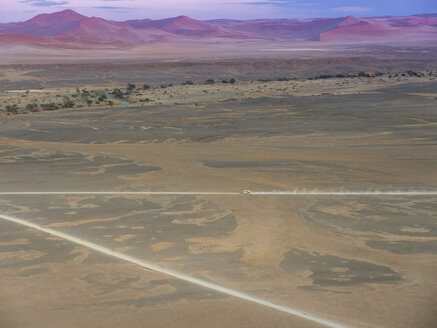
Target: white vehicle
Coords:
[[246, 192]]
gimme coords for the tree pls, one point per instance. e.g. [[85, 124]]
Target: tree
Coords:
[[102, 98], [146, 87], [232, 81], [130, 87], [117, 93]]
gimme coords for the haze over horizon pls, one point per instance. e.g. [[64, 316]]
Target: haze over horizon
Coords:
[[19, 10]]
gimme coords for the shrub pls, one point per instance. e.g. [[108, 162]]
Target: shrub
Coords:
[[146, 87], [210, 81], [232, 81], [189, 82], [130, 87], [68, 103], [32, 107], [102, 98], [325, 76], [51, 106], [117, 93], [412, 73], [11, 109]]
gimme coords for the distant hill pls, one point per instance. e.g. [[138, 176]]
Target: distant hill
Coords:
[[69, 27]]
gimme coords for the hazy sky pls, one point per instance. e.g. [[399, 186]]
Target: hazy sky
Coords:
[[17, 10]]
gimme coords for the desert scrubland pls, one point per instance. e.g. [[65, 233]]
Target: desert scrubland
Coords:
[[297, 117]]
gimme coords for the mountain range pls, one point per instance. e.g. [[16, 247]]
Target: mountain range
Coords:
[[71, 29]]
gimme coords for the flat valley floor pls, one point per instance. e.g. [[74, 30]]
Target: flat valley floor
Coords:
[[359, 261]]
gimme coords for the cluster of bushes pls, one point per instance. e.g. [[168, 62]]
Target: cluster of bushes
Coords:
[[279, 79], [32, 107], [51, 106], [11, 109], [212, 81], [231, 81], [117, 93]]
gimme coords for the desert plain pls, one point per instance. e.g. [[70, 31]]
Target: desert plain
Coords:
[[349, 260]]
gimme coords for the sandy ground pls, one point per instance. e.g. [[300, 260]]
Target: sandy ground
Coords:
[[214, 49], [358, 261]]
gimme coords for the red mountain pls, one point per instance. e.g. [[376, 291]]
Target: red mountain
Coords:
[[410, 28], [181, 25], [376, 29], [46, 24], [283, 29], [74, 29], [100, 30]]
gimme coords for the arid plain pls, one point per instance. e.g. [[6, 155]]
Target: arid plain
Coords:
[[355, 260]]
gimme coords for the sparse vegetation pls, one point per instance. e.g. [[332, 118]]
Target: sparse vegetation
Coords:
[[30, 101]]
